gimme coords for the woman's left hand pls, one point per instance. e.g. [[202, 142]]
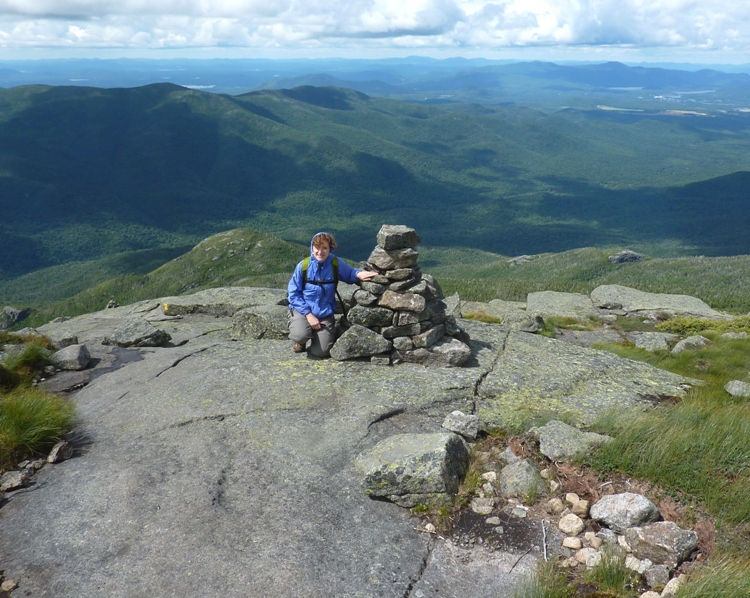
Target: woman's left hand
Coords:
[[366, 275]]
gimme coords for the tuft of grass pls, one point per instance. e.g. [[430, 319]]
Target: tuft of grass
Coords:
[[611, 574], [693, 325], [8, 379], [548, 582], [27, 361], [721, 577], [31, 421]]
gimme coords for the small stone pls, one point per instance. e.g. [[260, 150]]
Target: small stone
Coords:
[[519, 512], [8, 586], [581, 508], [650, 594], [429, 528], [380, 360], [672, 586], [482, 506], [571, 498], [493, 521], [489, 476], [62, 451], [571, 524], [462, 423], [632, 563], [554, 486], [607, 535], [588, 557], [657, 576], [489, 489], [596, 542], [545, 473], [624, 543], [555, 506], [569, 563], [14, 480], [572, 542]]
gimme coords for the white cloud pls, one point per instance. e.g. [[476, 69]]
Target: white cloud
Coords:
[[719, 25]]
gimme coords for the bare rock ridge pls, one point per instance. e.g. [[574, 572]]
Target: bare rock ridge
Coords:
[[214, 461]]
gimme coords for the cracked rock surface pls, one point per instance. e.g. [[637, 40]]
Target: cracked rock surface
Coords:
[[213, 467]]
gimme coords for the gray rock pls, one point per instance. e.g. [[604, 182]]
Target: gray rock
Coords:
[[738, 388], [225, 301], [735, 335], [402, 301], [395, 331], [587, 338], [72, 358], [402, 285], [137, 332], [625, 256], [433, 287], [430, 337], [62, 451], [262, 321], [359, 341], [508, 456], [370, 317], [380, 360], [402, 273], [637, 302], [393, 260], [553, 303], [657, 576], [663, 543], [362, 297], [623, 511], [373, 287], [462, 423], [448, 352], [560, 441], [397, 236], [521, 479], [653, 341], [403, 343], [406, 318], [607, 536], [412, 469], [691, 343], [536, 374], [11, 315], [15, 480]]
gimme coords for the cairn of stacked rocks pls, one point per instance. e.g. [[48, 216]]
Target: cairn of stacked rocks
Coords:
[[401, 314]]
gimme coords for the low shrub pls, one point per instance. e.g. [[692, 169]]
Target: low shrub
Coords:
[[31, 421], [693, 325], [611, 573], [721, 577]]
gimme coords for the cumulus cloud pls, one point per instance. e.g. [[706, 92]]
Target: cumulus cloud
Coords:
[[715, 24]]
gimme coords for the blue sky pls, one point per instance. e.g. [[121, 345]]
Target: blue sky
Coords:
[[699, 31]]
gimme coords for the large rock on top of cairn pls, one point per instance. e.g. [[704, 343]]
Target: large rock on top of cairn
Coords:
[[422, 328]]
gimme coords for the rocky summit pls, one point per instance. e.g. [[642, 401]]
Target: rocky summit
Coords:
[[211, 460]]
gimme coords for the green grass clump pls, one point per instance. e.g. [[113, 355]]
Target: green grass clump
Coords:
[[692, 325], [611, 574], [548, 582], [723, 577], [31, 421], [27, 361], [8, 379]]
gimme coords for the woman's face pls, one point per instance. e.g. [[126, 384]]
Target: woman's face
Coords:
[[321, 253]]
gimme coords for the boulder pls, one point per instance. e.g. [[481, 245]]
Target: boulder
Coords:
[[397, 236], [370, 317], [448, 352], [653, 341], [222, 302], [735, 335], [663, 543], [623, 511], [72, 358], [359, 341], [137, 332], [559, 441], [462, 423], [691, 343], [521, 479], [738, 388], [261, 321], [394, 259], [553, 303], [635, 302], [11, 315], [402, 301], [414, 469], [625, 256]]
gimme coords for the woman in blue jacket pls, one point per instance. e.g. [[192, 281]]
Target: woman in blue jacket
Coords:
[[312, 299]]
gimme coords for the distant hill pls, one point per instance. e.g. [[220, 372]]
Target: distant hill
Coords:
[[91, 172]]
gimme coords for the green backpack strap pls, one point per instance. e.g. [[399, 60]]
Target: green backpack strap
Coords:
[[334, 263]]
